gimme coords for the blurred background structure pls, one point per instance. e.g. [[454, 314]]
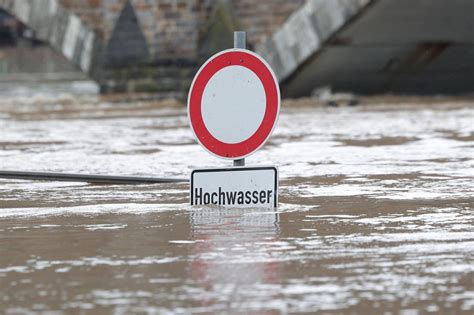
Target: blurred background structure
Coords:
[[376, 201], [359, 46]]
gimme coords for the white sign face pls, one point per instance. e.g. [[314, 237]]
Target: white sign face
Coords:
[[232, 96], [239, 187]]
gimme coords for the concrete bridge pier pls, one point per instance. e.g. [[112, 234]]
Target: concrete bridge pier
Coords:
[[375, 46]]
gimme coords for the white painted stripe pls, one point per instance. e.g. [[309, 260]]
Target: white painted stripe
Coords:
[[52, 7], [21, 9], [71, 36], [86, 54]]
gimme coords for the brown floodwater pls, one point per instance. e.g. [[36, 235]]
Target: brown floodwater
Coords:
[[376, 212]]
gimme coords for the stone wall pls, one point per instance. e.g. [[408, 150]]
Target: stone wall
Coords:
[[148, 45], [89, 11], [260, 19], [172, 28]]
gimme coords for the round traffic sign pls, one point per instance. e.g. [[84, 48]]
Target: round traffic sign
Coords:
[[233, 103]]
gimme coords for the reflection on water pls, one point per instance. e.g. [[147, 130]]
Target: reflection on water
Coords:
[[376, 213], [232, 254]]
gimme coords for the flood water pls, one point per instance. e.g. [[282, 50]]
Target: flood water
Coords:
[[376, 212]]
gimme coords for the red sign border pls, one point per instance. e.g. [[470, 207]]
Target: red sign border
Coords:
[[257, 65]]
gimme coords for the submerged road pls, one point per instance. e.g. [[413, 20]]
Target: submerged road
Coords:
[[376, 212]]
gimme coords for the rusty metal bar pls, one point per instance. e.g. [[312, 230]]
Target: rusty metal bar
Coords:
[[101, 179]]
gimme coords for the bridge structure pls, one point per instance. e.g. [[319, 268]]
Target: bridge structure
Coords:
[[146, 45], [361, 46], [376, 46]]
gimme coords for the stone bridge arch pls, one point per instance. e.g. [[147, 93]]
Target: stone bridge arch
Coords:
[[60, 28], [146, 46]]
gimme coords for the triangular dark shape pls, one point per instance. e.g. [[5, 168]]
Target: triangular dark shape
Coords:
[[218, 34], [127, 45]]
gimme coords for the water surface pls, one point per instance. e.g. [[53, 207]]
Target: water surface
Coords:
[[376, 213]]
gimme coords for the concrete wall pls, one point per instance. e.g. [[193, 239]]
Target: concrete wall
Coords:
[[305, 32], [375, 46]]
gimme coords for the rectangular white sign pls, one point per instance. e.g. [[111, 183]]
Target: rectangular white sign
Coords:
[[241, 187]]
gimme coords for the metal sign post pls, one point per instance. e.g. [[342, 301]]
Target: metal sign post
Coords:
[[240, 42]]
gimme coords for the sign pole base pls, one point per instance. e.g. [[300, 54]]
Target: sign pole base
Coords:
[[239, 162]]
